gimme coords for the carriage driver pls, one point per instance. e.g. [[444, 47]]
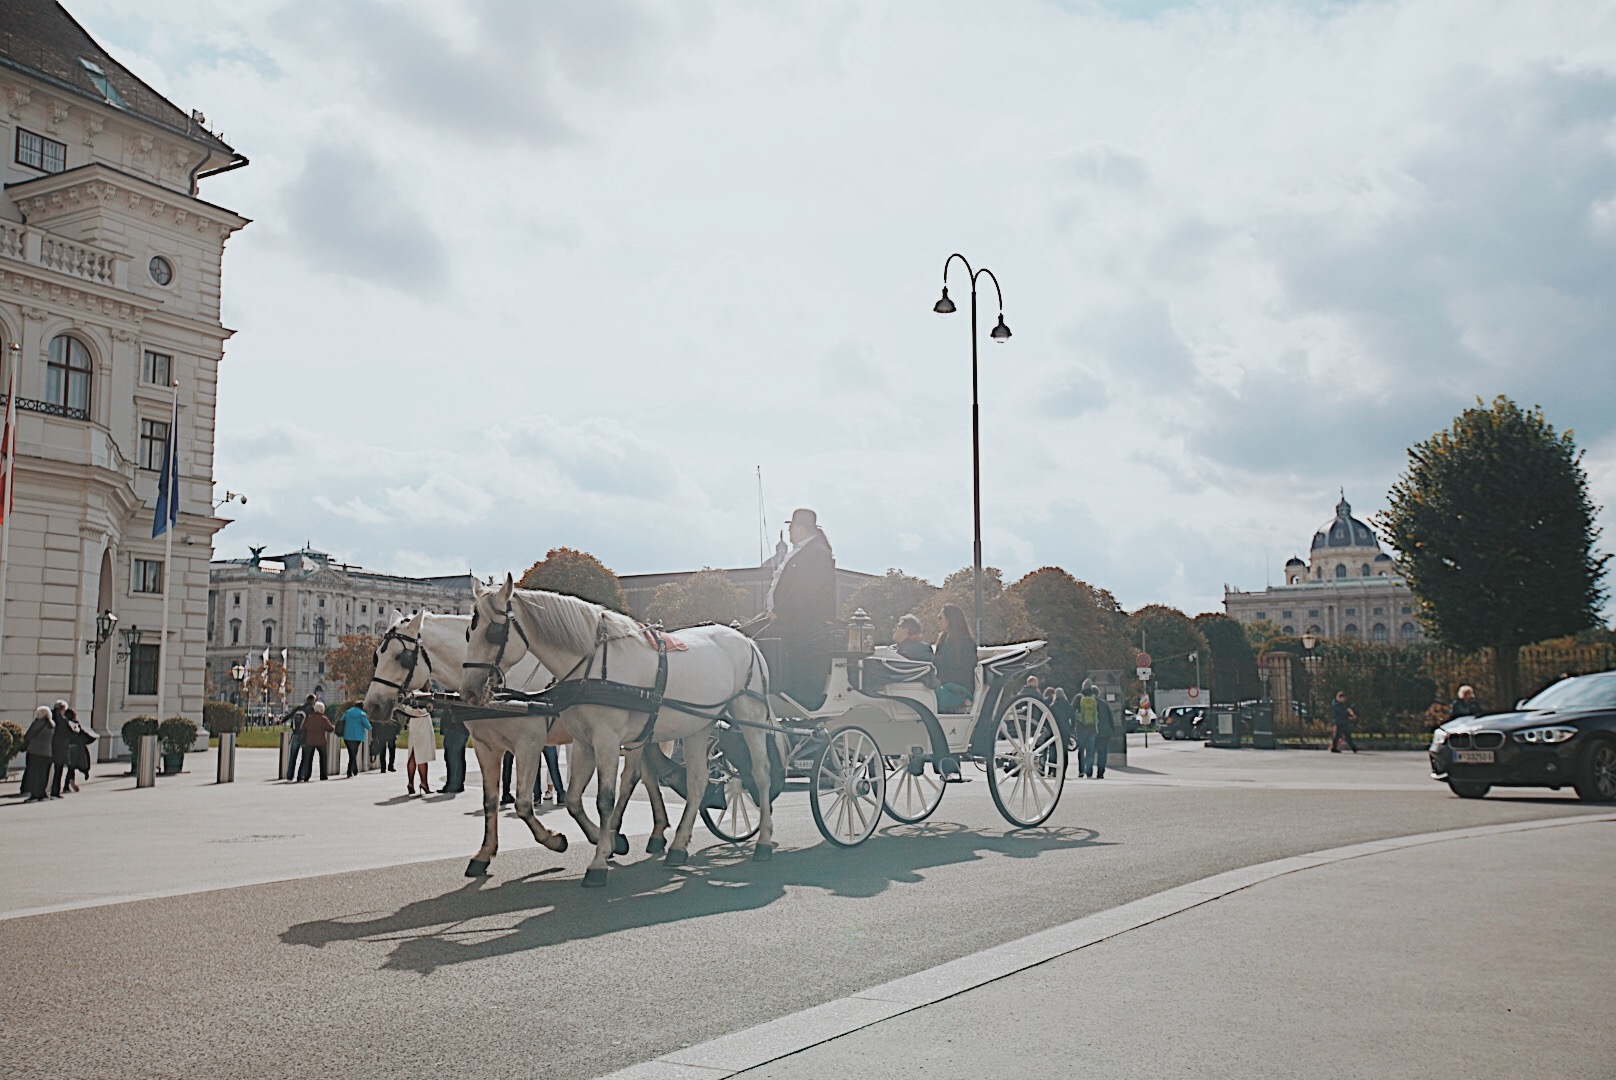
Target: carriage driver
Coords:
[[802, 600]]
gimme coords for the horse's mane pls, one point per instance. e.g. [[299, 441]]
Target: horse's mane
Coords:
[[568, 622]]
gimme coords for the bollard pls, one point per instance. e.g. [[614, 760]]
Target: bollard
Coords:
[[333, 754], [146, 762], [286, 756], [364, 755], [227, 758]]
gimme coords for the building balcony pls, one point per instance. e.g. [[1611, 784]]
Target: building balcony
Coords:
[[69, 258]]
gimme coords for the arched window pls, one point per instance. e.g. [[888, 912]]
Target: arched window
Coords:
[[1378, 632], [1290, 631], [1340, 570], [319, 633], [1408, 631], [235, 631], [1350, 630], [269, 633], [67, 376], [1365, 571]]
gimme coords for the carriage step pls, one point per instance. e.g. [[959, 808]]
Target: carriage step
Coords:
[[956, 779]]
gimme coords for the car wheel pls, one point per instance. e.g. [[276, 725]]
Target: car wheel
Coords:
[[1469, 789], [1597, 780]]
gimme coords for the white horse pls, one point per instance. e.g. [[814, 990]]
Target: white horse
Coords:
[[715, 672], [416, 650]]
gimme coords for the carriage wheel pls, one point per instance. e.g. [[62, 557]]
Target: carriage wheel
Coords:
[[847, 788], [739, 819], [912, 792], [1028, 769]]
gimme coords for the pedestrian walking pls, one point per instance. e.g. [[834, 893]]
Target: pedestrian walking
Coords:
[[355, 730], [1343, 716], [455, 737], [1465, 704], [37, 754], [423, 750], [1085, 726], [78, 751], [1104, 726], [317, 730], [555, 792], [61, 747], [299, 716], [384, 736]]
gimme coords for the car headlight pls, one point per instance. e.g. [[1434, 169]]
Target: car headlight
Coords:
[[1545, 735], [1438, 737]]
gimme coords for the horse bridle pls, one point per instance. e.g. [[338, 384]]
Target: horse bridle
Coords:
[[414, 651], [500, 634]]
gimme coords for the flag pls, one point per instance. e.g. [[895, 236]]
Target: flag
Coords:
[[168, 494], [266, 655], [8, 445]]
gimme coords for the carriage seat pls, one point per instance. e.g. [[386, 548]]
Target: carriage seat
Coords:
[[885, 667]]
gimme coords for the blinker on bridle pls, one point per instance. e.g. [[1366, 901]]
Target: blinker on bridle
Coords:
[[498, 633], [414, 652]]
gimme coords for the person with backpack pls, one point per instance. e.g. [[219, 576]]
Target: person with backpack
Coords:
[[1085, 727], [1104, 725]]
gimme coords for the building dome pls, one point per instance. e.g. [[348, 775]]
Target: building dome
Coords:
[[1383, 557], [1344, 531], [1294, 561]]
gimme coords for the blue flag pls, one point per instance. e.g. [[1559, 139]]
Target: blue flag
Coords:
[[168, 489]]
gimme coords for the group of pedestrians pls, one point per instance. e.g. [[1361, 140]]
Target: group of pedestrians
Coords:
[[1087, 716], [56, 749]]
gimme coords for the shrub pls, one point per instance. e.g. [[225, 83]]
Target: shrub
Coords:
[[176, 734], [11, 737], [135, 727], [220, 717]]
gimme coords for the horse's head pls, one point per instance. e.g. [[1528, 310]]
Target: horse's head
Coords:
[[401, 666], [494, 641]]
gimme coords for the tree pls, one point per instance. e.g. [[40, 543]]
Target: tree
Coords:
[[1266, 637], [1169, 637], [1085, 626], [576, 573], [351, 664], [888, 598], [266, 685], [707, 596], [1004, 617], [1230, 665], [1496, 534]]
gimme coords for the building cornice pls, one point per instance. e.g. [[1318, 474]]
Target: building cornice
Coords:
[[97, 185], [25, 283]]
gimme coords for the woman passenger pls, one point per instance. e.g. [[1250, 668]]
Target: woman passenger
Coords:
[[956, 662]]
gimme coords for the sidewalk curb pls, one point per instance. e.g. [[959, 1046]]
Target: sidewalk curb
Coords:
[[739, 1051]]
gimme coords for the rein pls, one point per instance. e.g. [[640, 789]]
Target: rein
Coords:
[[414, 651]]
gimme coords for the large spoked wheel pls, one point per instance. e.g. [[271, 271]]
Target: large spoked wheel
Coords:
[[739, 819], [914, 790], [848, 787], [1028, 770]]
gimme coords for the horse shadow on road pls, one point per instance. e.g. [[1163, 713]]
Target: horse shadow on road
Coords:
[[537, 910]]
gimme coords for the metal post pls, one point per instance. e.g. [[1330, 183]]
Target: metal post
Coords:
[[146, 762], [286, 756], [227, 758]]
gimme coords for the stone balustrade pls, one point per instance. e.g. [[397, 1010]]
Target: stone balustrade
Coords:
[[68, 257]]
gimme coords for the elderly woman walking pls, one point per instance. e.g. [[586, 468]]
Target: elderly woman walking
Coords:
[[37, 747], [423, 750]]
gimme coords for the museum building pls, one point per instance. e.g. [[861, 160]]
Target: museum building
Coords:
[[110, 269], [1347, 588]]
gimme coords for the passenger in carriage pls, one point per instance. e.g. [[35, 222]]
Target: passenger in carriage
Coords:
[[956, 662], [909, 640]]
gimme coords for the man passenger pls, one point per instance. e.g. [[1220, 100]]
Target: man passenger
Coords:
[[909, 640]]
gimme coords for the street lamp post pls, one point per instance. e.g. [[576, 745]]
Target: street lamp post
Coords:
[[1001, 334], [1310, 661]]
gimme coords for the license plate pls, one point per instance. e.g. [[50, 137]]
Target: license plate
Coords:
[[807, 764], [1472, 757]]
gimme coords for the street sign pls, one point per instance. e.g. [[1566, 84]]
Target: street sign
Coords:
[[1142, 660], [1142, 673], [1195, 692]]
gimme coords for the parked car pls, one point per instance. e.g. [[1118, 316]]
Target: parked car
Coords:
[[1565, 736], [1183, 722]]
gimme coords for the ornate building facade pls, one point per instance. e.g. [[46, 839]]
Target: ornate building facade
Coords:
[[110, 277], [1347, 588]]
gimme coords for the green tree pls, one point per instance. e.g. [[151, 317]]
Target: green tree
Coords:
[[1085, 626], [706, 596], [1496, 534], [1169, 637], [1004, 617], [890, 597], [1267, 637], [1229, 666], [576, 573]]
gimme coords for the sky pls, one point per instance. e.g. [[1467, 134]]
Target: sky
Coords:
[[529, 273]]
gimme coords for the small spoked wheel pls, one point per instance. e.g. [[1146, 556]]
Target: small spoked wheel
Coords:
[[848, 787], [1028, 770], [914, 789], [739, 819]]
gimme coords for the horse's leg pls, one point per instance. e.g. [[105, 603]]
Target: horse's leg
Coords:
[[529, 759], [695, 748], [757, 744], [633, 764], [488, 759], [608, 747], [580, 763], [659, 812]]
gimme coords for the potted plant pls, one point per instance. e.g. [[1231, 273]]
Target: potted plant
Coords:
[[221, 717], [175, 735], [10, 745], [132, 731]]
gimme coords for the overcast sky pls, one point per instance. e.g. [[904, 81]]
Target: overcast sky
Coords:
[[525, 274]]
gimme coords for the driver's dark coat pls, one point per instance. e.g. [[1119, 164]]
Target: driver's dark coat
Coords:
[[805, 595]]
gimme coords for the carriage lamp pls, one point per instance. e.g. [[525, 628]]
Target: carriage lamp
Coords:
[[1001, 333], [104, 623], [860, 634]]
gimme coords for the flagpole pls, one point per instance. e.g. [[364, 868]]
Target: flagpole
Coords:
[[9, 452], [171, 478]]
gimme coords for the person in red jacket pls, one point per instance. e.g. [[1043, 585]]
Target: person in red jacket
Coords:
[[317, 731]]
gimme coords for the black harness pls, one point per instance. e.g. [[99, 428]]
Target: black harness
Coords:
[[414, 653]]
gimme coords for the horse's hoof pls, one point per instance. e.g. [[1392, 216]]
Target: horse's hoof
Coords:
[[763, 853], [676, 857], [559, 844], [477, 868], [595, 878], [656, 845], [620, 845]]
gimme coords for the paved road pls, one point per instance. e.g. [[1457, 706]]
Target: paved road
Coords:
[[398, 969]]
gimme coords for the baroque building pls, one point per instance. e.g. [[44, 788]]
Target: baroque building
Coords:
[[293, 608], [110, 278], [1347, 588]]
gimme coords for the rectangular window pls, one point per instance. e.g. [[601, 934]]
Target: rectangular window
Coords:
[[38, 152], [269, 633], [1380, 611], [1313, 613], [237, 600], [147, 576], [269, 601], [320, 667], [143, 669], [1352, 611], [1262, 614], [156, 368], [153, 445], [1285, 614], [1407, 610]]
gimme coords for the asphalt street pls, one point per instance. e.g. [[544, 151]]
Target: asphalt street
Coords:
[[394, 970]]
